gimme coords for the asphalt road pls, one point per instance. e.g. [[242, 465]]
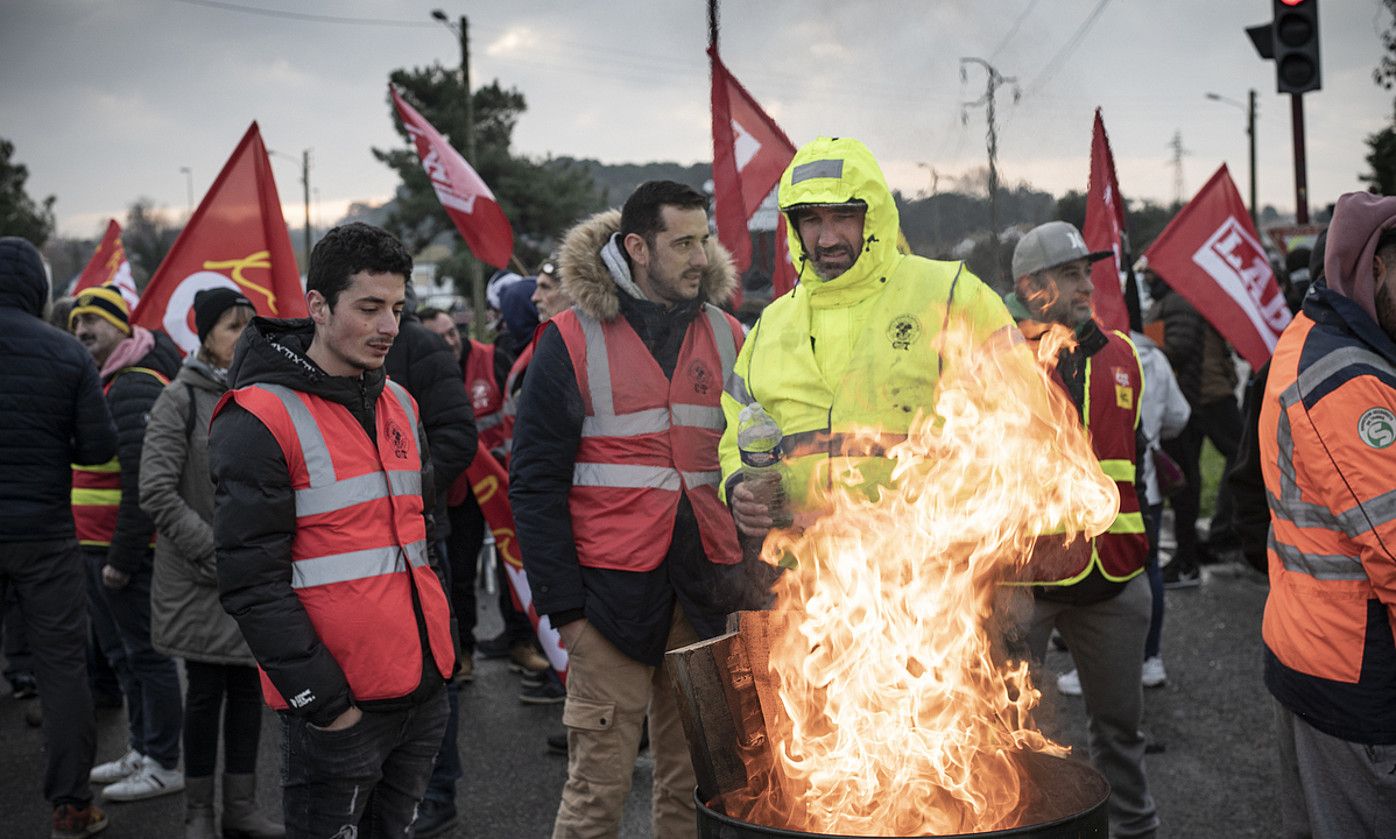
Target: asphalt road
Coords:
[[1213, 777]]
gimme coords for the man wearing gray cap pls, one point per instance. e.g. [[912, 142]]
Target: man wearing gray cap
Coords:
[[1103, 608]]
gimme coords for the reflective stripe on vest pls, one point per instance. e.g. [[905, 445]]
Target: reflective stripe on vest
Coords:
[[356, 565]]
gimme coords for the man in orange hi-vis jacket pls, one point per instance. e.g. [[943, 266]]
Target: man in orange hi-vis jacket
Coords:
[[1327, 428]]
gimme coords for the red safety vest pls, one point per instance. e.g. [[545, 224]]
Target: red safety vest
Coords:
[[360, 547], [486, 397], [646, 438], [96, 494], [1113, 388]]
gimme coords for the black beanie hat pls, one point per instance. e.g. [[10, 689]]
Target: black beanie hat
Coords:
[[211, 303]]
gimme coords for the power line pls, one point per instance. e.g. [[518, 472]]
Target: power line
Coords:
[[1059, 60], [312, 18], [1013, 30]]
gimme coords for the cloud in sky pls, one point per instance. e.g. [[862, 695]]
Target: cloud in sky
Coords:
[[105, 102]]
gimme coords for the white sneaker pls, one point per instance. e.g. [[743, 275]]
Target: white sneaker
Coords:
[[150, 781], [113, 771], [1153, 672], [1069, 684]]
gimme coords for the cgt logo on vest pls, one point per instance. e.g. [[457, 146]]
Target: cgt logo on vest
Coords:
[[1124, 392], [397, 440], [701, 377], [480, 395], [903, 331]]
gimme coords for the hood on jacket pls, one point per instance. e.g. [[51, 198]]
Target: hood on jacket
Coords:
[[589, 280], [273, 351], [24, 281], [840, 170], [1359, 220], [161, 353]]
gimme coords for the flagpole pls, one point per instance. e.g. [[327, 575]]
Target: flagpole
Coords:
[[474, 274]]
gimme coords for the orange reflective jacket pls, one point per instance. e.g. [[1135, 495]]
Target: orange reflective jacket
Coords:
[[1327, 429]]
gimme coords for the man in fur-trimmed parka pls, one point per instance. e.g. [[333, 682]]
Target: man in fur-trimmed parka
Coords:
[[629, 551]]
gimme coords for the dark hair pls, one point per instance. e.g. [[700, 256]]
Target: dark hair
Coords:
[[431, 312], [642, 211], [350, 248]]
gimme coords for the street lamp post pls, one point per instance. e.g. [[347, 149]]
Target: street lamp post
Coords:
[[474, 275], [1249, 108]]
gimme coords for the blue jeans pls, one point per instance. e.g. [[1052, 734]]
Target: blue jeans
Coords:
[[154, 703], [363, 781]]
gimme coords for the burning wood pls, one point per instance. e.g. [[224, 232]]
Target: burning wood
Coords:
[[872, 701]]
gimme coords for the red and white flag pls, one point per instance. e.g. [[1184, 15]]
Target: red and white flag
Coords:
[[1104, 231], [109, 266], [1211, 254], [236, 239], [488, 480], [750, 153], [463, 195]]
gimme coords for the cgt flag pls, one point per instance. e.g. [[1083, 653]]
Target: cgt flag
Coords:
[[749, 154], [1211, 255], [109, 266], [1104, 231], [465, 197], [490, 483], [236, 239]]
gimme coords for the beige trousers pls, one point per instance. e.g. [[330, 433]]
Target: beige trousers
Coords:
[[608, 695]]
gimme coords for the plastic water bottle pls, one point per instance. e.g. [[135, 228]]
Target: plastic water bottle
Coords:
[[758, 439]]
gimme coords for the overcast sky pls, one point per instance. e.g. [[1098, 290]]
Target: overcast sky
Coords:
[[105, 101]]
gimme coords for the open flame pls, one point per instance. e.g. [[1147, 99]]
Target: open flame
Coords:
[[898, 716]]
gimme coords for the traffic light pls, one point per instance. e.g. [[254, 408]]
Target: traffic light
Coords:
[[1291, 39]]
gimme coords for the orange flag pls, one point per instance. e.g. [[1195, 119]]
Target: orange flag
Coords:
[[109, 266], [236, 238]]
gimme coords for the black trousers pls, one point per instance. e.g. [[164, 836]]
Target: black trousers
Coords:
[[364, 781], [205, 713], [463, 546], [51, 592], [1220, 422]]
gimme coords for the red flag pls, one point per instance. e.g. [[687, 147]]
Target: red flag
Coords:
[[490, 483], [464, 196], [749, 154], [1104, 231], [236, 238], [1210, 253], [109, 266]]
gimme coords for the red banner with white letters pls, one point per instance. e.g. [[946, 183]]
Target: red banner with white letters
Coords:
[[1211, 254], [1104, 231], [463, 195], [750, 153], [236, 239]]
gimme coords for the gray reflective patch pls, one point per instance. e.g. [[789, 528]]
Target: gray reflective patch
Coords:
[[817, 169]]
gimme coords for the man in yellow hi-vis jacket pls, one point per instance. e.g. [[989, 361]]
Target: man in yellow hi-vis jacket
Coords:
[[853, 345]]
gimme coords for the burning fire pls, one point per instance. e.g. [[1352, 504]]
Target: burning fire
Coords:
[[897, 716]]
